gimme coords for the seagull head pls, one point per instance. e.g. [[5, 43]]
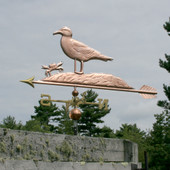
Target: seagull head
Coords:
[[65, 31]]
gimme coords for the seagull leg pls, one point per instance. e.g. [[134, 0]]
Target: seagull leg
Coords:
[[81, 68], [75, 65]]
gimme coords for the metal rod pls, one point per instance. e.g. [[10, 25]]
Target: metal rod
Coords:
[[75, 121], [75, 127], [146, 160], [96, 87]]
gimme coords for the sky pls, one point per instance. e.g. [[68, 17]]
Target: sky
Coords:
[[131, 32]]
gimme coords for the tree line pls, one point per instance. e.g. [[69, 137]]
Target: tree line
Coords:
[[52, 119]]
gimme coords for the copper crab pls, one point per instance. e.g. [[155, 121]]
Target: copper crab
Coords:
[[52, 67]]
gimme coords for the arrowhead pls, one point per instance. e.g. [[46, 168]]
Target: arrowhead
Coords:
[[29, 81]]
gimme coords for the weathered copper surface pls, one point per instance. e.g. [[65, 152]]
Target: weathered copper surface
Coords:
[[77, 50]]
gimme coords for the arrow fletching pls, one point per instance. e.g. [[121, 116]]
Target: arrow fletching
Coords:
[[147, 92]]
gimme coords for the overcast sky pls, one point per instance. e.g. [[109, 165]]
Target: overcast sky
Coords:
[[129, 31]]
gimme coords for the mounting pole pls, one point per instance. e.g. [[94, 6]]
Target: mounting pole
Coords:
[[75, 94], [146, 160]]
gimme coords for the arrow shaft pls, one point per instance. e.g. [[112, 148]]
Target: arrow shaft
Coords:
[[96, 87]]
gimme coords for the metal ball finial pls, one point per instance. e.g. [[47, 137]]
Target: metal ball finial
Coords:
[[75, 93], [75, 114]]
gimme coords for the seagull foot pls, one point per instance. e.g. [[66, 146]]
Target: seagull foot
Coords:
[[79, 72]]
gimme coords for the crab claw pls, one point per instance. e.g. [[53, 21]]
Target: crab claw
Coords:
[[60, 64], [45, 67]]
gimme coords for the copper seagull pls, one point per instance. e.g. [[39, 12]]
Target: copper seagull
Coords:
[[77, 50]]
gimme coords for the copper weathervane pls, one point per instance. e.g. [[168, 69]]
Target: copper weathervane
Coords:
[[82, 53]]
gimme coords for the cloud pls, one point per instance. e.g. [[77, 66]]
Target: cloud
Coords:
[[130, 32]]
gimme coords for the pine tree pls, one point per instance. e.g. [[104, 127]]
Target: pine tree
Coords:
[[134, 134], [35, 125], [87, 125], [10, 122], [165, 104], [44, 114], [64, 123], [167, 26], [106, 132], [160, 135], [91, 116]]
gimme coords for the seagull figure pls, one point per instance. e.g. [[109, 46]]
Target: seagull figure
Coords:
[[77, 50]]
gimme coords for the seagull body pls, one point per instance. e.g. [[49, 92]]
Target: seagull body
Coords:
[[77, 50]]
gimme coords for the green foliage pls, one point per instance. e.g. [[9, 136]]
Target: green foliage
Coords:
[[44, 115], [134, 134], [165, 64], [89, 112], [91, 115], [64, 123], [66, 149], [53, 156], [160, 142], [128, 131], [159, 139], [2, 147], [19, 148], [52, 119], [167, 27], [10, 122], [165, 104], [36, 126], [105, 132]]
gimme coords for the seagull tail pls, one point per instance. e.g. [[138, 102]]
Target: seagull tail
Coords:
[[99, 56], [106, 58]]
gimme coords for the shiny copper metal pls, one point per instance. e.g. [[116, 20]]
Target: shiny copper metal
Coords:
[[93, 79], [151, 94], [106, 82], [75, 114], [77, 50], [52, 67], [81, 52], [75, 93]]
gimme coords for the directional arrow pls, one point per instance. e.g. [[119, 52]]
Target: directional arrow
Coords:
[[145, 91], [29, 81]]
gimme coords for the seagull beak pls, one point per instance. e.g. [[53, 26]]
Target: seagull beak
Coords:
[[57, 32]]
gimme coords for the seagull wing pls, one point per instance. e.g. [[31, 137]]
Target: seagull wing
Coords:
[[84, 51]]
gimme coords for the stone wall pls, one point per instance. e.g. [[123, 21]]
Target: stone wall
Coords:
[[45, 147], [39, 165]]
